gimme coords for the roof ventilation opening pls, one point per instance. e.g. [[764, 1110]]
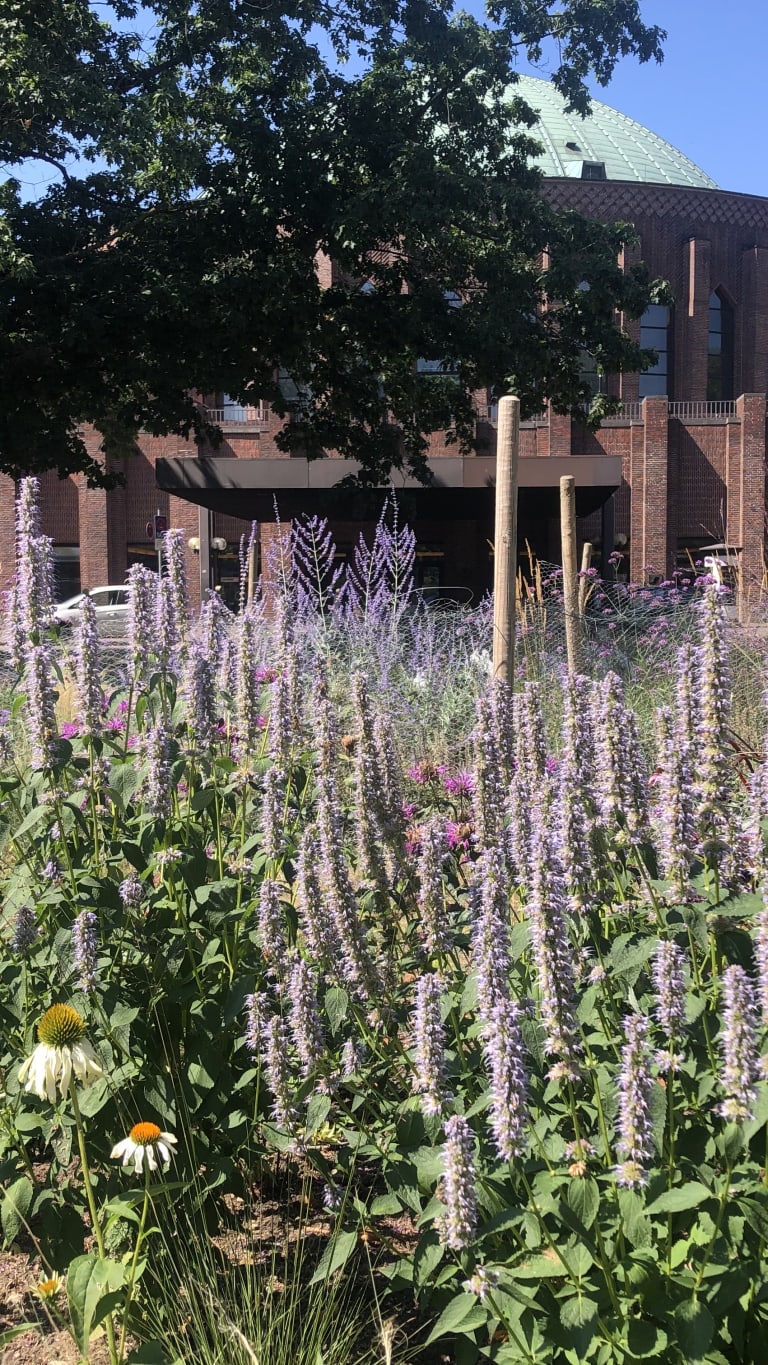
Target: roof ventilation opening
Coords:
[[593, 170], [573, 146]]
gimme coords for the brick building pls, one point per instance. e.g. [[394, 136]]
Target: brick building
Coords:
[[680, 467]]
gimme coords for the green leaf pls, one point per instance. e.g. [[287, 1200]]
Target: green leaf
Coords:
[[336, 1254], [385, 1204], [429, 1254], [318, 1109], [463, 1313], [15, 1207], [695, 1329], [584, 1200], [85, 1288], [11, 1333], [336, 1006], [645, 1339], [682, 1197], [579, 1316]]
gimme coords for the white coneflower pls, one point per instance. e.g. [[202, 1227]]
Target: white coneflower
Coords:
[[145, 1142], [62, 1052]]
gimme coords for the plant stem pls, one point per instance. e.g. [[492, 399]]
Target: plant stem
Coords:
[[134, 1264], [97, 1232]]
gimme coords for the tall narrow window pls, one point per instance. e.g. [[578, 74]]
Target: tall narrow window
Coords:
[[655, 336], [719, 350]]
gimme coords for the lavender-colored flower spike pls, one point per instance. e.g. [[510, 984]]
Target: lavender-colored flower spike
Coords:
[[131, 891], [316, 924], [391, 795], [33, 593], [41, 713], [247, 689], [738, 1044], [84, 949], [573, 814], [277, 1072], [503, 1052], [156, 751], [199, 691], [26, 931], [459, 1225], [504, 726], [90, 695], [621, 781], [669, 983], [530, 747], [761, 956], [271, 931], [253, 1024], [712, 772], [433, 924], [553, 961], [174, 555], [674, 803], [280, 722], [635, 1140], [142, 634], [489, 795], [273, 812], [368, 815], [428, 1045], [490, 935], [304, 1018]]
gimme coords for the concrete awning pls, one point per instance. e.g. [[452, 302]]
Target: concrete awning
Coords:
[[461, 487]]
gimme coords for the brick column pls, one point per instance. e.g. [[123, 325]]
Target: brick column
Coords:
[[692, 324], [751, 341], [94, 537], [746, 493], [650, 540], [559, 433], [7, 531]]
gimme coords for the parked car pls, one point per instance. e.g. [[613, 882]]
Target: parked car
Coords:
[[111, 605]]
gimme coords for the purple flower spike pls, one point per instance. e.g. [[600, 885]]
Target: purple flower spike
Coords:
[[738, 1043], [459, 1225], [306, 1028], [635, 1143], [84, 949], [429, 1050], [503, 1051]]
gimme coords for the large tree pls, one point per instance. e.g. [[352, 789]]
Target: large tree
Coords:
[[205, 155]]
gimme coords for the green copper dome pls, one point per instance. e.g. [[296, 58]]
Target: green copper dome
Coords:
[[605, 146]]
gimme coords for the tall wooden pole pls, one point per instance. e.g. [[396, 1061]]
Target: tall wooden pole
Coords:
[[570, 572], [505, 540]]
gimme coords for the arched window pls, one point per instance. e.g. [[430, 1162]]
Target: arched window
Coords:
[[655, 335], [719, 350]]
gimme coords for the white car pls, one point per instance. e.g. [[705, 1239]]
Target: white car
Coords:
[[111, 605]]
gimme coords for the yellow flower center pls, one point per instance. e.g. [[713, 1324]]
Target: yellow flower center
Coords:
[[144, 1134], [61, 1026], [47, 1288]]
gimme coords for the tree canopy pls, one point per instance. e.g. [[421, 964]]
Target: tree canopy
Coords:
[[205, 154]]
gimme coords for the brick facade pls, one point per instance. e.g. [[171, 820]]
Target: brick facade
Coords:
[[693, 472]]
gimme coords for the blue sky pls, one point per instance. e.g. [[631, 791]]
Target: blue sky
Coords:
[[709, 97]]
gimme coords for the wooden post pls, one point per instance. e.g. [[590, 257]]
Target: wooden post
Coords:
[[570, 575], [586, 564], [505, 540]]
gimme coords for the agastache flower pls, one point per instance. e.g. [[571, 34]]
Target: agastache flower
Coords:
[[738, 1045], [90, 695], [177, 616], [314, 920], [669, 981], [459, 1194], [433, 925], [635, 1143], [674, 803], [41, 713], [553, 962], [429, 1047], [26, 931], [253, 1023], [304, 1017], [488, 799], [131, 891], [277, 1072], [157, 760], [490, 934], [761, 956], [142, 588], [503, 1052], [271, 933], [84, 949]]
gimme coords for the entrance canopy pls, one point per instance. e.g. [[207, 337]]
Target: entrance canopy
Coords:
[[462, 485]]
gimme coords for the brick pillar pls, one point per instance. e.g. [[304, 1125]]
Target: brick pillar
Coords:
[[559, 433], [7, 531], [692, 323], [94, 537], [650, 540], [746, 493], [751, 341]]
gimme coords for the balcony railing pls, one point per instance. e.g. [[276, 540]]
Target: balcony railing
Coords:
[[703, 412], [489, 412], [233, 415]]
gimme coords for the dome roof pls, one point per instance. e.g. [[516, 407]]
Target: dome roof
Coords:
[[605, 146]]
